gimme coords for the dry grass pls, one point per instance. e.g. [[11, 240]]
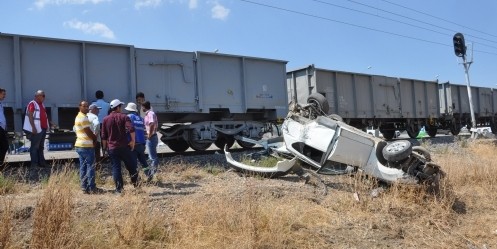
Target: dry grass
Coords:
[[201, 207], [6, 224], [53, 213]]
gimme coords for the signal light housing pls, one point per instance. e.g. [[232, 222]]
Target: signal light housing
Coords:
[[459, 45]]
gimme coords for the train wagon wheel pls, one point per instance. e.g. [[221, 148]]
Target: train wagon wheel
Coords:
[[178, 145], [389, 134], [199, 146], [224, 140], [412, 131], [432, 131], [455, 129]]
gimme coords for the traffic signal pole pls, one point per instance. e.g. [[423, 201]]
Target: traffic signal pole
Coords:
[[460, 51], [468, 84]]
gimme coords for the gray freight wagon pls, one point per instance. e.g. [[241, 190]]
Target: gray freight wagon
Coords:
[[204, 97], [455, 109], [365, 100]]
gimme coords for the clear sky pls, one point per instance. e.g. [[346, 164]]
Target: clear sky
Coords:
[[407, 39]]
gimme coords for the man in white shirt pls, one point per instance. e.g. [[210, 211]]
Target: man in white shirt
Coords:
[[95, 128]]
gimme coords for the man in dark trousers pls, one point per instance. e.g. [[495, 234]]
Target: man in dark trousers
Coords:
[[4, 139], [35, 126], [115, 130]]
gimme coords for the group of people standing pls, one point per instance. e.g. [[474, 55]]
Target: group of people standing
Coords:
[[100, 127], [122, 137]]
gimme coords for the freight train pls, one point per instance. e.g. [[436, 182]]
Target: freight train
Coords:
[[204, 98], [391, 104], [201, 97]]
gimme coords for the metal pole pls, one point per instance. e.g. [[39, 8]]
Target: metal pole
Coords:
[[468, 84]]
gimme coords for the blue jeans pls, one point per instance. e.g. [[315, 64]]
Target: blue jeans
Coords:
[[87, 168], [152, 154], [123, 154], [37, 147], [139, 156]]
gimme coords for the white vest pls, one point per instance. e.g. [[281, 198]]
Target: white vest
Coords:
[[36, 116]]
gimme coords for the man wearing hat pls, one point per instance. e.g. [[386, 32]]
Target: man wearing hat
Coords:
[[95, 128], [139, 151], [115, 129]]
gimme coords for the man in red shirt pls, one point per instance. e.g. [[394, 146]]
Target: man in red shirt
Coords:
[[35, 126], [114, 134]]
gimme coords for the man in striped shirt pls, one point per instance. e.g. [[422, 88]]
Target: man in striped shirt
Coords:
[[85, 142]]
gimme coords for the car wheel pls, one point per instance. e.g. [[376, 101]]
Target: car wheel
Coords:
[[319, 101], [423, 152], [379, 152], [397, 151]]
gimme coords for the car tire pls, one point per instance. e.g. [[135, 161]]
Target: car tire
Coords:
[[397, 151], [379, 152], [319, 101], [423, 152]]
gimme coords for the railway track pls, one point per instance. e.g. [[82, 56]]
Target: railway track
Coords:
[[67, 156]]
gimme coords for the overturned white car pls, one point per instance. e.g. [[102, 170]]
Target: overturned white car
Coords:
[[330, 146]]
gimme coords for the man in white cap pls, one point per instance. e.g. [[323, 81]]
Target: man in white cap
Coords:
[[95, 128], [115, 141], [139, 151]]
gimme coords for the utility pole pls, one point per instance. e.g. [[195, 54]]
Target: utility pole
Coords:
[[460, 51]]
